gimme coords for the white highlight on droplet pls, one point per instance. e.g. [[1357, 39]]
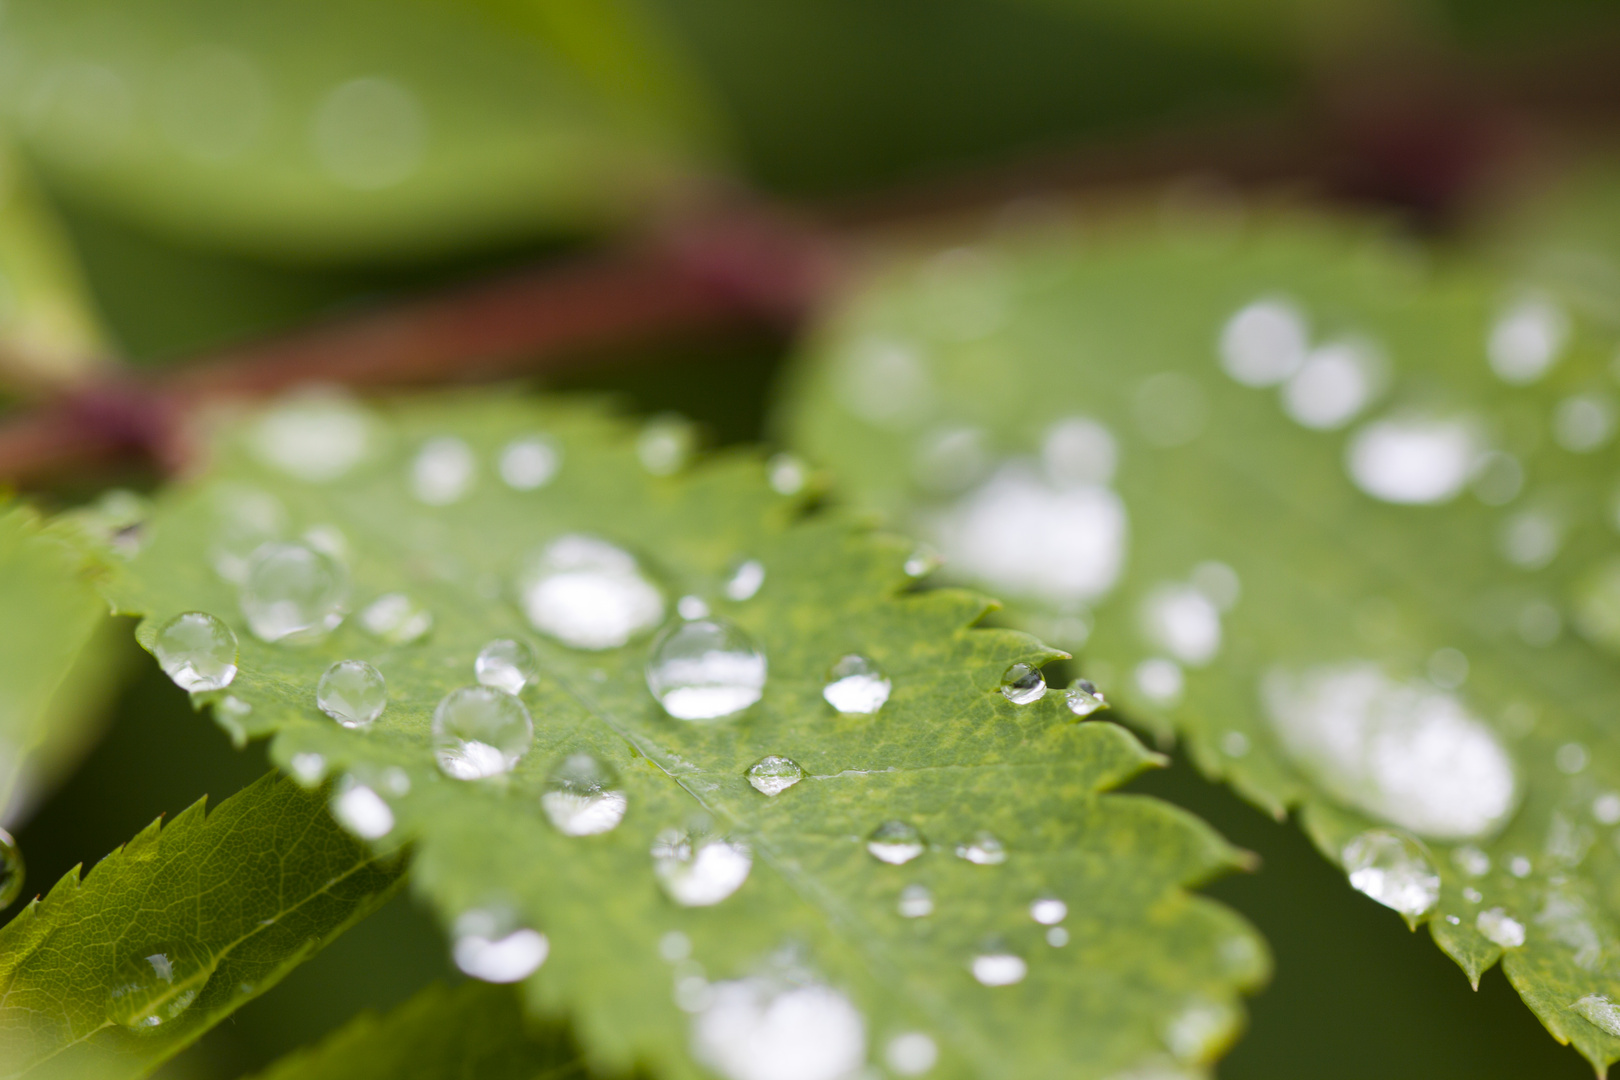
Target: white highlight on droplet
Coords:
[[1264, 343], [529, 462], [1526, 339], [1335, 383], [757, 1029], [1413, 460]]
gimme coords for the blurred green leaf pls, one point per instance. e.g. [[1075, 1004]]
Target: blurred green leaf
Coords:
[[1371, 578], [1147, 969], [355, 129], [108, 976], [473, 1030]]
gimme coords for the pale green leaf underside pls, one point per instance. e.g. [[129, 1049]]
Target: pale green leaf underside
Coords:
[[947, 753], [1088, 323], [251, 889], [472, 1030]]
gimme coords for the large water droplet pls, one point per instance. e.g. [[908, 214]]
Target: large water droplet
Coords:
[[293, 592], [774, 774], [998, 967], [745, 580], [488, 944], [856, 685], [581, 798], [13, 871], [1394, 870], [480, 732], [1404, 752], [1023, 684], [197, 651], [1336, 382], [530, 462], [360, 810], [353, 693], [507, 664], [246, 520], [1049, 911], [1084, 698], [1500, 928], [1183, 622], [699, 871], [765, 1029], [911, 1053], [1264, 342], [1413, 460], [443, 471], [587, 593], [397, 619], [705, 669], [896, 842], [317, 437], [983, 850], [1600, 1011], [1526, 338], [915, 902], [155, 986]]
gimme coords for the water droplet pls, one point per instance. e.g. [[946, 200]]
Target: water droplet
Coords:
[[245, 520], [507, 664], [1049, 911], [369, 133], [1219, 582], [699, 871], [1264, 342], [1519, 866], [705, 669], [924, 560], [1183, 622], [1606, 808], [13, 871], [787, 474], [950, 459], [911, 1054], [1472, 895], [745, 580], [315, 437], [1600, 1011], [1413, 460], [674, 946], [1201, 1031], [1057, 937], [691, 607], [197, 651], [1584, 422], [309, 769], [999, 968], [856, 686], [1447, 668], [1453, 920], [1570, 758], [983, 850], [1530, 539], [1160, 680], [489, 945], [1471, 861], [479, 732], [1023, 684], [774, 774], [293, 593], [588, 594], [155, 986], [1078, 451], [1235, 744], [1500, 927], [361, 810], [1023, 538], [765, 1029], [885, 382], [1498, 478], [1404, 752], [1525, 339], [231, 713], [1084, 698], [352, 692], [1336, 382], [1170, 409], [916, 901], [529, 462], [443, 471], [666, 444], [581, 798], [1394, 870], [396, 619], [896, 842]]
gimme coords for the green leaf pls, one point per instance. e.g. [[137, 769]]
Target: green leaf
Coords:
[[1375, 662], [1147, 968], [223, 905], [473, 1030], [354, 129]]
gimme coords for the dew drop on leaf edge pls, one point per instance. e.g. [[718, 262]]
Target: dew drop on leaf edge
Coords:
[[1393, 870], [1023, 684], [197, 651], [488, 944], [1084, 698]]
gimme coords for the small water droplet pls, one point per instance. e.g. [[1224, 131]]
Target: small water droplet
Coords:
[[777, 1029], [1183, 622], [1337, 381], [293, 593], [1530, 539], [1606, 808], [316, 437], [911, 1054], [155, 986], [999, 968], [1570, 758], [1160, 680], [1219, 582], [479, 732], [1453, 920], [361, 810], [353, 693], [1447, 668], [1023, 684], [1394, 870], [1526, 339], [443, 471], [856, 686], [1519, 866], [1472, 895], [1235, 744], [396, 619], [915, 902], [1600, 1011], [1498, 478], [1057, 937], [1084, 698], [1264, 342], [924, 560], [1049, 911], [1078, 451], [691, 607], [309, 769], [581, 797], [587, 593], [1471, 861], [491, 946], [13, 871], [787, 474], [1500, 927], [896, 842], [529, 462], [245, 520], [1413, 460], [774, 774], [197, 651], [705, 669], [745, 580], [666, 444], [674, 946], [507, 664], [983, 850], [1584, 422], [699, 871]]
